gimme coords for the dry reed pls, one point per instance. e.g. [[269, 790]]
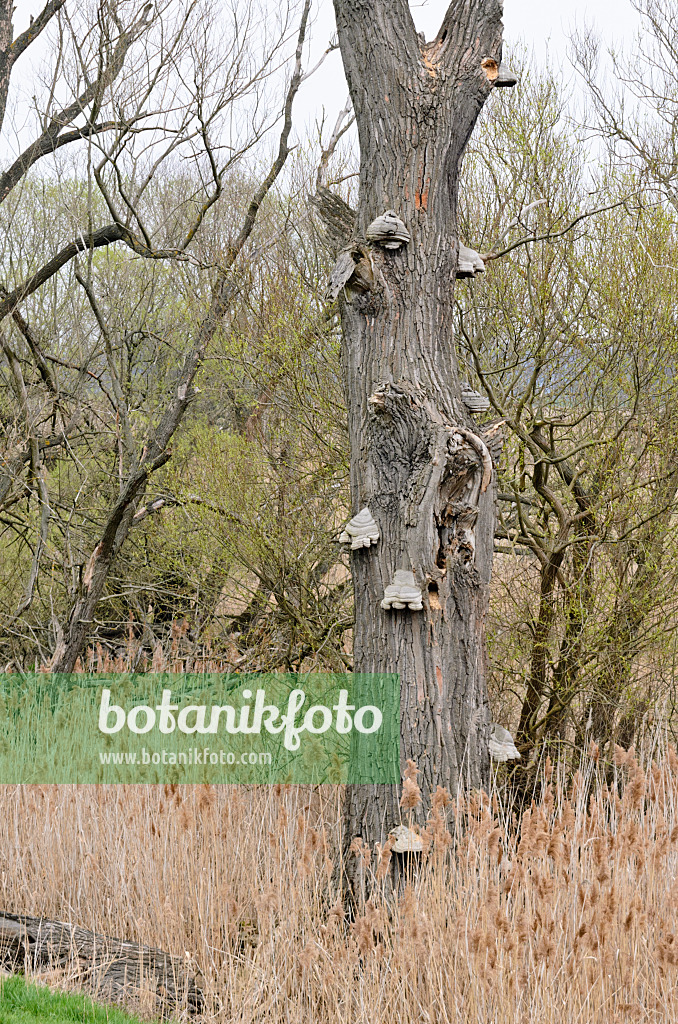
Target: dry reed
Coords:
[[566, 916]]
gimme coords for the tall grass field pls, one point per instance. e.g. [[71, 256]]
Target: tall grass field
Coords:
[[566, 915]]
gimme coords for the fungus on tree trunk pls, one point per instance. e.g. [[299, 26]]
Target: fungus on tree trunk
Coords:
[[498, 74], [502, 745], [361, 531], [505, 78], [405, 840], [403, 592], [473, 400], [388, 230], [469, 263]]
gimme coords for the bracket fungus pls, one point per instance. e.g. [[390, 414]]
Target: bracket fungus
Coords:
[[502, 746], [388, 230], [403, 592], [361, 531], [469, 262], [505, 78], [473, 400], [406, 840]]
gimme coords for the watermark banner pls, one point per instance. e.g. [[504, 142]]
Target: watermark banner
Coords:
[[297, 728]]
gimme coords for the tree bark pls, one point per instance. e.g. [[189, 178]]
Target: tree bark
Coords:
[[11, 49], [417, 459]]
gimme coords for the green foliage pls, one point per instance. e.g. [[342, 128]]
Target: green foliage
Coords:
[[23, 1003], [572, 332], [574, 338]]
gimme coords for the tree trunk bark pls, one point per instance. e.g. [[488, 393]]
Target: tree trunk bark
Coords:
[[537, 682], [417, 460]]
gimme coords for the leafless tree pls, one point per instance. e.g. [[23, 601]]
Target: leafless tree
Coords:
[[132, 91]]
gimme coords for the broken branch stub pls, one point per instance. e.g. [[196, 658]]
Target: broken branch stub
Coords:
[[361, 531], [337, 217], [388, 230], [403, 592], [353, 272], [341, 273]]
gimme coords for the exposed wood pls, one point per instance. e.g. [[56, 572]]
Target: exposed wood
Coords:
[[498, 74], [342, 272], [109, 968]]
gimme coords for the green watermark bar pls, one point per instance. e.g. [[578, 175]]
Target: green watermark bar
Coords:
[[182, 728]]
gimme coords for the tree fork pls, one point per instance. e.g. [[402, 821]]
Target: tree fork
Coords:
[[417, 460]]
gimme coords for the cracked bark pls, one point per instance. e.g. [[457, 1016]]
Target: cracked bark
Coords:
[[416, 458]]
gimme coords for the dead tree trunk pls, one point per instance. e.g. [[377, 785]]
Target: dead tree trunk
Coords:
[[417, 459], [108, 968]]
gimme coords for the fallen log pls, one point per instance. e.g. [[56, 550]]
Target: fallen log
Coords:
[[108, 968]]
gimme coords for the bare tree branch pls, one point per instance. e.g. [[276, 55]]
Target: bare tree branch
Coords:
[[551, 235], [92, 94], [155, 452], [10, 50], [22, 42]]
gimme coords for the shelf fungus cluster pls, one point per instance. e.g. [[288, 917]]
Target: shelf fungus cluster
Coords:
[[388, 230], [403, 592], [473, 400], [502, 746], [469, 263], [361, 531]]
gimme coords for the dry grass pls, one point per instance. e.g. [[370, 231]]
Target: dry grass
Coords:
[[568, 917]]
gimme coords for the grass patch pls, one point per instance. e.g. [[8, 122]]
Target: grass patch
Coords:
[[22, 1003]]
